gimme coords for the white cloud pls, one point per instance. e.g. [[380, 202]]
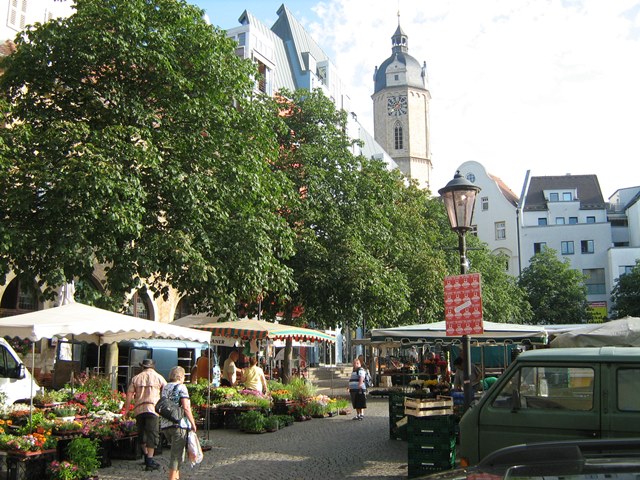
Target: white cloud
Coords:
[[543, 85]]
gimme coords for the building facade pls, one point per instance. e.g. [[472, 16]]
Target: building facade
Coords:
[[495, 217], [401, 110]]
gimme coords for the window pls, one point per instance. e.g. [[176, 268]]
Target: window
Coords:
[[542, 221], [501, 231], [17, 14], [397, 133], [183, 308], [19, 297], [567, 197], [539, 247], [591, 219], [553, 197], [8, 363], [542, 388], [559, 220], [573, 220], [242, 39], [566, 248], [471, 177], [627, 383], [594, 280], [138, 306], [485, 203], [586, 246], [624, 269]]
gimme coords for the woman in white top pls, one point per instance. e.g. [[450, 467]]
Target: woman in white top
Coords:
[[176, 391]]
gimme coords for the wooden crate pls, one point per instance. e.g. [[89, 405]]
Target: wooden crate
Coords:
[[427, 407]]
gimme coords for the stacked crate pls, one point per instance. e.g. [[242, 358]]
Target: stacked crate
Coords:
[[397, 418], [431, 433]]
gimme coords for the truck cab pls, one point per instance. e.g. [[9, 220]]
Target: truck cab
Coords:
[[16, 382], [556, 394]]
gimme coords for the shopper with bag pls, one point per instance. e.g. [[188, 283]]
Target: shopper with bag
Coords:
[[179, 431]]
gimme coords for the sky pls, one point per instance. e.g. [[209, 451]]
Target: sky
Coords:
[[546, 86]]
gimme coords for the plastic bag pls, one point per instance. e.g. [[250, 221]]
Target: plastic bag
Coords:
[[194, 450]]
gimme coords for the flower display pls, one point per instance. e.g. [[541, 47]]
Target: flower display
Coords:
[[63, 471]]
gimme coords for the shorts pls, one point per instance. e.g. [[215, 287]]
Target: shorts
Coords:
[[358, 399], [149, 429], [178, 446]]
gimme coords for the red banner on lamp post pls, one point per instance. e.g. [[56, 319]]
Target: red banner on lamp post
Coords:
[[463, 305]]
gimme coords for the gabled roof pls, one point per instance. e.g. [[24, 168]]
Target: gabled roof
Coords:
[[290, 31], [511, 197], [587, 186]]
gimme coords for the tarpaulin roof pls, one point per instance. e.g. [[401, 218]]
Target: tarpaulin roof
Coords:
[[93, 325], [436, 331], [624, 332]]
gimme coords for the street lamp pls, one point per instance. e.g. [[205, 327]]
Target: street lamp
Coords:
[[459, 196]]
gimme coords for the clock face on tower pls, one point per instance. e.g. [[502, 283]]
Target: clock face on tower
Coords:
[[397, 105]]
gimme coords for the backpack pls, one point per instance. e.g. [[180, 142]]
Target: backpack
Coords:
[[368, 381], [168, 409]]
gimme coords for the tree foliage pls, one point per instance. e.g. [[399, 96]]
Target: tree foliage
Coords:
[[625, 295], [556, 292], [124, 148]]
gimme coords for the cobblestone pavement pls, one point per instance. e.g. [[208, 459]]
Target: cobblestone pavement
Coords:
[[326, 449]]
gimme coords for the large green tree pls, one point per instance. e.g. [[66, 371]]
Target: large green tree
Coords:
[[556, 292], [626, 294], [133, 140]]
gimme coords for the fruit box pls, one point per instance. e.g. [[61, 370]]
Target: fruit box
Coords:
[[428, 407]]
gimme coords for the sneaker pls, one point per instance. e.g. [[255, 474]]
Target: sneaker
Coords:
[[357, 417], [152, 465], [361, 417]]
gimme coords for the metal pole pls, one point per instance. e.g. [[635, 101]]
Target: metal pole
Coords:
[[466, 344]]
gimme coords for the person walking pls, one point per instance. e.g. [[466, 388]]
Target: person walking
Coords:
[[358, 389], [144, 390], [177, 392]]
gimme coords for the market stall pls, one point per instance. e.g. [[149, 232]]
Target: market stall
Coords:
[[624, 332]]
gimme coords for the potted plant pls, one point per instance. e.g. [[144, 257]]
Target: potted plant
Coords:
[[342, 406], [65, 412], [83, 452], [67, 427], [271, 423], [252, 421], [63, 471]]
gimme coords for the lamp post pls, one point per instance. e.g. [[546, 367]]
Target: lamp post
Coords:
[[459, 196]]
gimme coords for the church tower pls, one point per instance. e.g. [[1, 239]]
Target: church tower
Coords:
[[401, 110]]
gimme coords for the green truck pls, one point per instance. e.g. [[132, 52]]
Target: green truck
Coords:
[[556, 394]]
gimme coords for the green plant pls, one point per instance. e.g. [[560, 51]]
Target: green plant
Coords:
[[63, 471], [72, 426], [262, 403], [316, 409], [47, 397], [84, 453], [341, 403], [271, 423], [64, 411], [301, 389], [251, 421], [284, 420]]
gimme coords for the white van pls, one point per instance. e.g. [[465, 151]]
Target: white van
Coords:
[[16, 383]]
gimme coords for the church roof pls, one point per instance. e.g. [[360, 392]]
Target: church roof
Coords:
[[415, 73]]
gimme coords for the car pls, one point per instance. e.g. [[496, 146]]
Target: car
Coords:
[[597, 459]]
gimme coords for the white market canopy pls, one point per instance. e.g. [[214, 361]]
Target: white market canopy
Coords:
[[92, 325], [624, 332], [436, 332]]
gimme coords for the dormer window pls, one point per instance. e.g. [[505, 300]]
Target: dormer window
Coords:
[[554, 197], [567, 196]]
